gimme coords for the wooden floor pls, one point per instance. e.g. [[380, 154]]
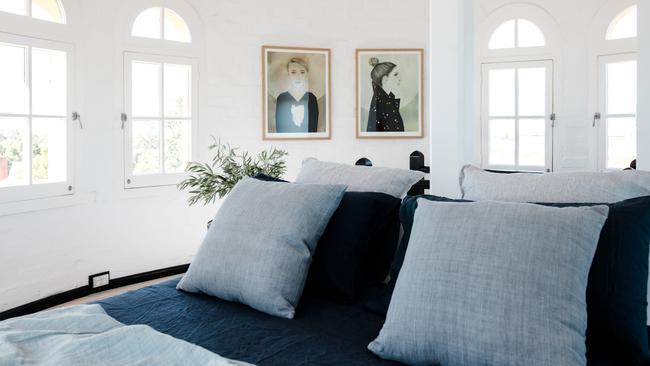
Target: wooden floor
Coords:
[[114, 292]]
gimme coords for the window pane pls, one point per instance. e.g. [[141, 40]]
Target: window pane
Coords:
[[175, 27], [145, 89], [146, 147], [13, 6], [621, 142], [532, 142], [14, 91], [529, 34], [502, 142], [177, 90], [49, 161], [49, 77], [14, 153], [532, 91], [50, 10], [177, 145], [502, 92], [503, 36], [624, 25], [621, 87], [147, 24]]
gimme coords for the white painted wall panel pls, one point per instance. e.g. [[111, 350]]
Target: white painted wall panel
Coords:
[[48, 251]]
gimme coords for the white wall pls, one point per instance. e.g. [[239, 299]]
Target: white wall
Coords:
[[238, 28], [448, 72], [45, 251], [644, 87]]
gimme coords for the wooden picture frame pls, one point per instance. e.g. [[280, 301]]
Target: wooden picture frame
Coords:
[[376, 102], [296, 93]]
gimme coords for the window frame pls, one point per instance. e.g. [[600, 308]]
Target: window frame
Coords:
[[602, 123], [135, 181], [485, 117], [29, 9], [600, 47], [616, 18], [162, 26], [516, 48], [551, 51], [515, 12], [34, 191]]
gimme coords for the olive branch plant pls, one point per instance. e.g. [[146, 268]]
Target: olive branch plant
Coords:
[[207, 181]]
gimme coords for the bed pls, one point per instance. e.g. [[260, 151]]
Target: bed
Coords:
[[323, 332]]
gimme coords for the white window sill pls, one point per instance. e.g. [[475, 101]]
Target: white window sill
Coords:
[[154, 180], [152, 192], [49, 203]]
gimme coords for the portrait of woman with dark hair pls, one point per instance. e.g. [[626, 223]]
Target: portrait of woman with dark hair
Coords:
[[389, 93], [296, 90], [384, 108], [297, 108]]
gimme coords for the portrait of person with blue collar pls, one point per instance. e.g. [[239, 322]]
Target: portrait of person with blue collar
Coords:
[[297, 108], [296, 93]]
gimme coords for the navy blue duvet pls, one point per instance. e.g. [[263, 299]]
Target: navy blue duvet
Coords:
[[323, 332]]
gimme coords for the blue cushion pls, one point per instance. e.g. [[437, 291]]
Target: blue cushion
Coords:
[[617, 286], [396, 182], [357, 246], [260, 244], [493, 283], [582, 187]]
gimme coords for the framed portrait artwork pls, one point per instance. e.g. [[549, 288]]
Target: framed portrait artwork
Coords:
[[296, 93], [390, 93]]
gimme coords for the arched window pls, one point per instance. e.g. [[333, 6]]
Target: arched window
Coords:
[[517, 33], [48, 10], [160, 109], [616, 118], [516, 92], [36, 129], [161, 23], [624, 25]]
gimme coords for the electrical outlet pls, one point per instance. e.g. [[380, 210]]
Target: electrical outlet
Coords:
[[99, 280]]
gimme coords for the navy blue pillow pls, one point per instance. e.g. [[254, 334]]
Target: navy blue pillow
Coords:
[[377, 296], [617, 286], [357, 246]]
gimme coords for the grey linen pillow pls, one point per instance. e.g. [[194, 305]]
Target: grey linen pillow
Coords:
[[391, 181], [493, 283], [260, 244], [570, 187]]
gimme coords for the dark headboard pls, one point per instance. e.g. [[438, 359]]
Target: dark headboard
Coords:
[[416, 162]]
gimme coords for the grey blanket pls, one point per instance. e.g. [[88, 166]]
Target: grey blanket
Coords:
[[86, 335]]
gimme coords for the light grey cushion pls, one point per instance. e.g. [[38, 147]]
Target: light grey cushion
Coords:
[[395, 182], [493, 283], [570, 187], [260, 244]]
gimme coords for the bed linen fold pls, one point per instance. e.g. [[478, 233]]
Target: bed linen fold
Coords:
[[86, 335]]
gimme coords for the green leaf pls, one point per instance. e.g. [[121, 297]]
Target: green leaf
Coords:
[[228, 167]]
